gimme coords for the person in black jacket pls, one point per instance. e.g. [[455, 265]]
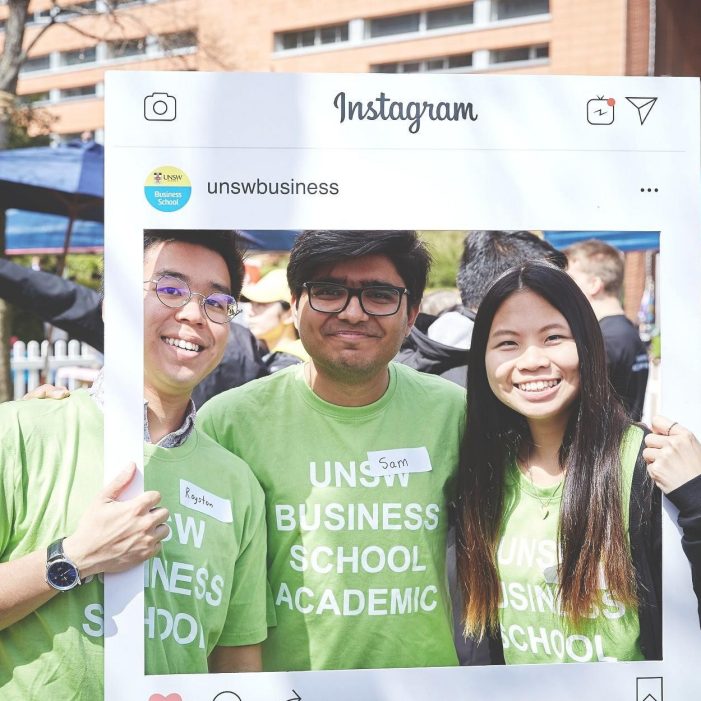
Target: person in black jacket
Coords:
[[242, 362], [440, 345], [69, 306], [673, 456], [598, 270], [271, 321]]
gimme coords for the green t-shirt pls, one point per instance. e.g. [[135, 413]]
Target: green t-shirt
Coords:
[[356, 536], [208, 585], [50, 470], [532, 628], [209, 579]]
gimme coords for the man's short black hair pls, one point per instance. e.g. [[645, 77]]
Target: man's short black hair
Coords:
[[316, 248], [224, 242], [487, 254]]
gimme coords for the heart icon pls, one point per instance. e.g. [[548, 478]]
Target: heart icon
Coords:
[[170, 697]]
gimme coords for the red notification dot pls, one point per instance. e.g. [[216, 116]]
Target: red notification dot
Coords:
[[610, 102]]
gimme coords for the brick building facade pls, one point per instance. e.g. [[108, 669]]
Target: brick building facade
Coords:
[[64, 73]]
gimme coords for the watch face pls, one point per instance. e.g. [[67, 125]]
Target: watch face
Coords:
[[62, 575]]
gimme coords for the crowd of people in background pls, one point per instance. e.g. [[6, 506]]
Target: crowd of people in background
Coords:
[[265, 338]]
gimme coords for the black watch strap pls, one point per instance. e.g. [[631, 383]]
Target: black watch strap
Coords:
[[55, 550]]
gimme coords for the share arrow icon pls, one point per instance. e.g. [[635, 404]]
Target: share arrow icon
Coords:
[[644, 105]]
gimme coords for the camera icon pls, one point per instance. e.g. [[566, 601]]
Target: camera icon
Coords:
[[159, 107]]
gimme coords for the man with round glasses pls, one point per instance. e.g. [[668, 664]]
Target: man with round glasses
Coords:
[[191, 280], [60, 530], [218, 307], [357, 475]]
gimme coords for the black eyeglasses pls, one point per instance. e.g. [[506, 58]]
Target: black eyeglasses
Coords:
[[174, 292], [375, 300]]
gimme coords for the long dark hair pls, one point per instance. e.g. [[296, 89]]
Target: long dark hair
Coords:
[[591, 525]]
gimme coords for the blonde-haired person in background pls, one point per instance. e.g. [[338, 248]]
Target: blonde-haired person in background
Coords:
[[598, 269], [269, 317]]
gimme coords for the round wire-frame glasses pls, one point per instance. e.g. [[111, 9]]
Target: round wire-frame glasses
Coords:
[[174, 292]]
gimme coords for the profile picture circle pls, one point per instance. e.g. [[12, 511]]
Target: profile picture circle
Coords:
[[167, 188]]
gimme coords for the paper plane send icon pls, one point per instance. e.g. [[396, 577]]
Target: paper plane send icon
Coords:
[[644, 105]]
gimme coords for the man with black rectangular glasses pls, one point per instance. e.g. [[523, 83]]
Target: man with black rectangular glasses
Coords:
[[354, 454]]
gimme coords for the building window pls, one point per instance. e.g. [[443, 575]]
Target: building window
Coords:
[[119, 4], [41, 16], [511, 9], [378, 27], [61, 12], [333, 34], [397, 24], [178, 40], [519, 53], [428, 65], [69, 12], [80, 91], [78, 56], [36, 63], [416, 22], [315, 36], [122, 48], [34, 97], [450, 16]]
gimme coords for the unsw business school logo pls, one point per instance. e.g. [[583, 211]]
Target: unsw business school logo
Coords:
[[167, 188]]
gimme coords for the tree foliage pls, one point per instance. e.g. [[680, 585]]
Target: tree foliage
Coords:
[[29, 126], [446, 248]]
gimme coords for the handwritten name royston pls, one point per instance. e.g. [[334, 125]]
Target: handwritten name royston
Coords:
[[197, 498], [384, 108]]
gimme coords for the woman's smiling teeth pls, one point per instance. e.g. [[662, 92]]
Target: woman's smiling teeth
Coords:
[[537, 386], [179, 343]]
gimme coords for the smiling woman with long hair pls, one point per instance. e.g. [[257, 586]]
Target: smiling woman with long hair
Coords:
[[559, 524]]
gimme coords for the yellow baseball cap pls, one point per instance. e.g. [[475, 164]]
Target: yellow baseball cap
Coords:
[[272, 287]]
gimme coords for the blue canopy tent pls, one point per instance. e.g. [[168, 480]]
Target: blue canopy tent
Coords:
[[55, 201], [32, 232], [268, 239], [67, 181], [623, 240]]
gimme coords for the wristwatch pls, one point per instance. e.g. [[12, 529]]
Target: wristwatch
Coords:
[[61, 572]]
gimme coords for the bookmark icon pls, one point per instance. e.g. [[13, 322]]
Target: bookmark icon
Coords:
[[649, 689]]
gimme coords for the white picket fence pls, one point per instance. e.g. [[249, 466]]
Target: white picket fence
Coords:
[[69, 364]]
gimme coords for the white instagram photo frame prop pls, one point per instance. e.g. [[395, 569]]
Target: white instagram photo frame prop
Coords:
[[521, 153]]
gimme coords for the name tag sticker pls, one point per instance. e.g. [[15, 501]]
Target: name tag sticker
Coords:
[[198, 499], [399, 461]]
